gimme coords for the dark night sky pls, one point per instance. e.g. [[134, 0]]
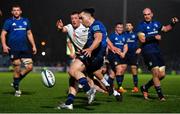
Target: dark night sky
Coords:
[[44, 13]]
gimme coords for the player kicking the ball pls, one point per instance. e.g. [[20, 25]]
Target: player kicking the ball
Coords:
[[19, 44]]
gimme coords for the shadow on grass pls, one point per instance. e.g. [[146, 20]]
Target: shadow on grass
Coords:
[[23, 93], [140, 96]]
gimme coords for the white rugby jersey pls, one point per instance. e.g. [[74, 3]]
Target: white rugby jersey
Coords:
[[78, 36]]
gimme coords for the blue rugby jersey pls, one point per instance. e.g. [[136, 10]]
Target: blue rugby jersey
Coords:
[[17, 38], [118, 40], [151, 28], [97, 26], [132, 41]]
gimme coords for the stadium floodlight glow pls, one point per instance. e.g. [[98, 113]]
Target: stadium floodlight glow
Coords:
[[43, 53], [43, 43]]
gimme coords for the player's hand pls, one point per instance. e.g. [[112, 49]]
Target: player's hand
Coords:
[[87, 52], [34, 50], [158, 37], [116, 50], [72, 55], [123, 55], [59, 24], [6, 49], [138, 51], [175, 20]]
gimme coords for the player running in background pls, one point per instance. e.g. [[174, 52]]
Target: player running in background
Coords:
[[17, 41], [118, 60], [133, 50], [149, 35]]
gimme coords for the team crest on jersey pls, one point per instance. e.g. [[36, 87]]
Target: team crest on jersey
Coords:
[[24, 22], [155, 25], [133, 36], [116, 38], [12, 56], [14, 24]]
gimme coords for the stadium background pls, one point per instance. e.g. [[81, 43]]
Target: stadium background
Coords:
[[43, 15]]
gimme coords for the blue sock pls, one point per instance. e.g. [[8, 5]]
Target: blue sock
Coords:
[[110, 81], [119, 79], [16, 83], [70, 99], [135, 80], [83, 81]]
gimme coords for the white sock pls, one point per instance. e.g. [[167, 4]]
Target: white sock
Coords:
[[105, 82]]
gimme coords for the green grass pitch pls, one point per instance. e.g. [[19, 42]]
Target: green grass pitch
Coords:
[[38, 98]]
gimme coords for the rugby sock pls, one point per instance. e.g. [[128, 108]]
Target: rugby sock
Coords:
[[110, 81], [159, 91], [151, 83], [70, 99], [83, 81], [119, 79], [21, 77], [105, 82], [16, 83], [135, 80]]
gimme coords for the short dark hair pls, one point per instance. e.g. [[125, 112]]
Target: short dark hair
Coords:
[[129, 22], [118, 23], [16, 6], [90, 11], [74, 12]]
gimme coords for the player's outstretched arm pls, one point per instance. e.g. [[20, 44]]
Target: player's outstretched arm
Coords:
[[31, 40], [169, 27], [60, 26], [70, 46], [95, 44], [3, 40]]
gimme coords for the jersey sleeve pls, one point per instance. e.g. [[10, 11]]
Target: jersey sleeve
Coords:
[[28, 24], [68, 27], [139, 28], [97, 28], [111, 38], [159, 25], [6, 26]]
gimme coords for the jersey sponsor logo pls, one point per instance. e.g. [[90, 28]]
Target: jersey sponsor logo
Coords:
[[153, 32], [130, 40], [96, 27], [84, 30]]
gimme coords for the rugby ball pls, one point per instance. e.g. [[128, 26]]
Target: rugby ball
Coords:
[[48, 78]]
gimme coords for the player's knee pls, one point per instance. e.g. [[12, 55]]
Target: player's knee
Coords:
[[155, 71], [162, 71], [29, 67]]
